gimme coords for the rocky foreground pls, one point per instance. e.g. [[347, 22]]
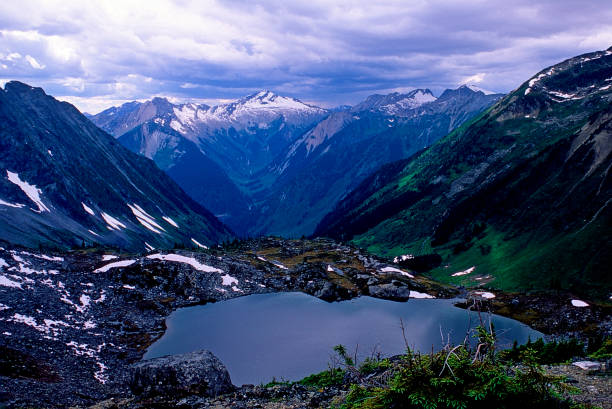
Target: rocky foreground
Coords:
[[73, 326]]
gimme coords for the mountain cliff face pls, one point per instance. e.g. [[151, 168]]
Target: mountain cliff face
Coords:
[[520, 197], [330, 160], [64, 182]]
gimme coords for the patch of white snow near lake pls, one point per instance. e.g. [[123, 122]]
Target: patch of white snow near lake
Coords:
[[464, 272], [6, 282], [416, 294], [169, 220], [200, 245], [85, 300], [116, 264], [186, 260], [396, 270], [279, 265], [579, 303], [31, 191], [229, 280], [485, 294], [42, 256], [588, 365], [108, 257]]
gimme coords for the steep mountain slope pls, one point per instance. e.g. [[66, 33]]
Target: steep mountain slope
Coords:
[[201, 178], [65, 182], [119, 120], [521, 197], [234, 140], [331, 159]]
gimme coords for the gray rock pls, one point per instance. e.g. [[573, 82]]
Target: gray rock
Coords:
[[328, 292], [197, 372], [390, 291]]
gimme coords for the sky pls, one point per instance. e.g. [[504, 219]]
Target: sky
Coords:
[[96, 54]]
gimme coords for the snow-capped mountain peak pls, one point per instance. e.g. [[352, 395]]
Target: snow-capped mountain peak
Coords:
[[396, 103], [266, 99], [415, 99]]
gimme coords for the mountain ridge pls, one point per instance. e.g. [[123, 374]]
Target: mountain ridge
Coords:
[[481, 197], [87, 187]]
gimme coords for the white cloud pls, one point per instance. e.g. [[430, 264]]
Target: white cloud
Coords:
[[473, 79], [35, 64], [333, 51]]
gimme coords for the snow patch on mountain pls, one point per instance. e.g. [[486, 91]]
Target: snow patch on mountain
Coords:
[[116, 264], [186, 260], [88, 209], [146, 219], [31, 191], [16, 205], [6, 282], [112, 223], [197, 243], [172, 222]]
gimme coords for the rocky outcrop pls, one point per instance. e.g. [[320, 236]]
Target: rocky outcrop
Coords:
[[392, 291], [198, 372]]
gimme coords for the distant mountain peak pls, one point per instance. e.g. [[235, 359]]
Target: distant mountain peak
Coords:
[[266, 99], [396, 102]]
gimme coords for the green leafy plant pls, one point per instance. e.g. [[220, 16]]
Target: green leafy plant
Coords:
[[462, 377]]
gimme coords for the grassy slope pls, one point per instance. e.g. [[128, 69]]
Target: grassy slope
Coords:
[[524, 219]]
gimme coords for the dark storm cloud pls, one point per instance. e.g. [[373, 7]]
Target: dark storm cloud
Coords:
[[101, 53]]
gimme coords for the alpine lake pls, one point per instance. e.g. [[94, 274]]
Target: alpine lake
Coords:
[[287, 336]]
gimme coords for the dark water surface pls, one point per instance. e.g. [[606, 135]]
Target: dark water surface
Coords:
[[291, 335]]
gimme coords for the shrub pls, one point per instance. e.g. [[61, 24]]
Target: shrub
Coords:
[[546, 353], [463, 377]]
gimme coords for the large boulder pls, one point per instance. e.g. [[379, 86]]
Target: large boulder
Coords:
[[393, 291], [199, 373]]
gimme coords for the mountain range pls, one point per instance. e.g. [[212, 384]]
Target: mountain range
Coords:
[[66, 183], [519, 197], [269, 164]]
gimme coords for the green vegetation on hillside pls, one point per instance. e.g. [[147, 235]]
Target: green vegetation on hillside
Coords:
[[521, 193]]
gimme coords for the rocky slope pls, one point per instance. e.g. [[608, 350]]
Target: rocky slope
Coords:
[[71, 324], [516, 198], [65, 182]]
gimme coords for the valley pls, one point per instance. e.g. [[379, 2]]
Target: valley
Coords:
[[252, 160]]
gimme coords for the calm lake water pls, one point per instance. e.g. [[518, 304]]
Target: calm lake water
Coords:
[[291, 335]]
